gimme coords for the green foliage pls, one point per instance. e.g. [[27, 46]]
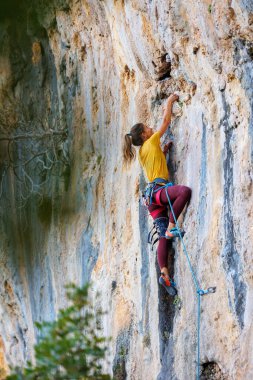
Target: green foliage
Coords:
[[210, 8], [70, 348]]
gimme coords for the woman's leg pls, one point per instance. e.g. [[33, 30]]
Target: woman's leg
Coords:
[[162, 255], [160, 211], [179, 197], [157, 211]]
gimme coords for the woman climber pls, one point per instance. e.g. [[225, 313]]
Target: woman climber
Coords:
[[159, 190]]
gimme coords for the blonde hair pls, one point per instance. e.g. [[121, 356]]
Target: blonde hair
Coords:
[[134, 138]]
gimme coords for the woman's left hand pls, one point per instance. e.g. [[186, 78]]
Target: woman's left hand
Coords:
[[172, 98], [167, 146]]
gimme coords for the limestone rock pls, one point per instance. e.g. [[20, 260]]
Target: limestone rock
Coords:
[[87, 71]]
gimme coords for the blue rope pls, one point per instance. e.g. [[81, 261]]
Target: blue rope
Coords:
[[200, 292], [198, 337], [184, 247]]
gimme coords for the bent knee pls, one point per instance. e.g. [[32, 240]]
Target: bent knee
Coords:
[[187, 192]]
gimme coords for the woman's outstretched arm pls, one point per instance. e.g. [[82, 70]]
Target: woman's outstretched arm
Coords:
[[167, 114]]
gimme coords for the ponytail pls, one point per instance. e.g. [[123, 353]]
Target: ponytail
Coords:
[[132, 138], [128, 149]]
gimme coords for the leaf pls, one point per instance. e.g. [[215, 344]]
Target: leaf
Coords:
[[70, 347]]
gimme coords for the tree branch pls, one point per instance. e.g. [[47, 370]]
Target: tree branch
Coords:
[[34, 136]]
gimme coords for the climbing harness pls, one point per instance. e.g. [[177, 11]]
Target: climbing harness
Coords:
[[150, 189], [159, 226]]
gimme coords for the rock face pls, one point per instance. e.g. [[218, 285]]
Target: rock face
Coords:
[[91, 69]]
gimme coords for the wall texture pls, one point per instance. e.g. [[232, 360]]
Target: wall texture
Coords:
[[97, 67]]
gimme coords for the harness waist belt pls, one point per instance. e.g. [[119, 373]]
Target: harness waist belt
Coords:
[[150, 189], [157, 181]]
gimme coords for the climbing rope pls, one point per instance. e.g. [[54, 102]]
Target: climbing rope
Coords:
[[200, 292]]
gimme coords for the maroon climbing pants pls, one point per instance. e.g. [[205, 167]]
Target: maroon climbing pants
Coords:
[[179, 197]]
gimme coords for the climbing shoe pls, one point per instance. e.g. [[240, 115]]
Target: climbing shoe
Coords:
[[168, 284], [174, 233]]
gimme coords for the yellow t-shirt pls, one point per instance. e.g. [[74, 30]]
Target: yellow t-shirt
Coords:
[[152, 159]]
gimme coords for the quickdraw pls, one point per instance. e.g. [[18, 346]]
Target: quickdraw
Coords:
[[160, 226]]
